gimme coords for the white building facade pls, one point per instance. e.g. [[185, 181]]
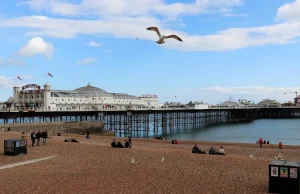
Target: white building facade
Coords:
[[85, 98]]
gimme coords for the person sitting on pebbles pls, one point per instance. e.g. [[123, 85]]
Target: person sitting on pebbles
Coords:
[[120, 145], [114, 144], [212, 150], [221, 151], [127, 144], [197, 150]]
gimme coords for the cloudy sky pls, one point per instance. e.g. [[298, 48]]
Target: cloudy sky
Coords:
[[244, 49]]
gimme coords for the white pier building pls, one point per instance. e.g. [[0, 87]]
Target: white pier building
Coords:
[[87, 98]]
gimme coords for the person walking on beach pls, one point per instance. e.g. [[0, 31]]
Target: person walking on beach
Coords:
[[280, 145], [260, 142], [44, 136], [33, 136], [38, 137], [129, 140]]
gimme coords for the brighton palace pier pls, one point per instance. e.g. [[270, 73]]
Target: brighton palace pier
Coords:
[[32, 97]]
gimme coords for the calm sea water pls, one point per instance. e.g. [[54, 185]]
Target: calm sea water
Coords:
[[273, 130]]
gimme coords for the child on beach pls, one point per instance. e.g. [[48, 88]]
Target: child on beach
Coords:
[[23, 136]]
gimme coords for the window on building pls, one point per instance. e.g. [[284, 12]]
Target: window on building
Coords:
[[93, 98], [62, 100], [68, 99]]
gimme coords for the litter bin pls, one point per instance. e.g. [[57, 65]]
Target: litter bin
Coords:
[[15, 147], [284, 177]]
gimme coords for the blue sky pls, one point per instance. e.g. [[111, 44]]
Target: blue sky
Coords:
[[244, 49]]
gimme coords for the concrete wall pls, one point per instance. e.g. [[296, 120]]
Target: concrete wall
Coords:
[[62, 127]]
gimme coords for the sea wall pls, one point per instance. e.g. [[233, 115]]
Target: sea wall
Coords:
[[95, 127]]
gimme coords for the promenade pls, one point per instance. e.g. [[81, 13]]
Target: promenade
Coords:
[[92, 166]]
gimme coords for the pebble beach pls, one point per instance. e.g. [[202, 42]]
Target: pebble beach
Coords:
[[150, 166]]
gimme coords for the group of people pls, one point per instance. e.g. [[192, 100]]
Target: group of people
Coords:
[[127, 144], [37, 136], [261, 142], [197, 150]]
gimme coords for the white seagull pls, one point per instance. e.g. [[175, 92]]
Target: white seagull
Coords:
[[162, 37]]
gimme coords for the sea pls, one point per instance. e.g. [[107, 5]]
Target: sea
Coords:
[[273, 130]]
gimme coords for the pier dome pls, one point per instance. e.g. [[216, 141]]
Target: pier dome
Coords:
[[89, 90]]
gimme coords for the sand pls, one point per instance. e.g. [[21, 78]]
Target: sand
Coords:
[[92, 166]]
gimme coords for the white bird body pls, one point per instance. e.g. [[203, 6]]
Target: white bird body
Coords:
[[162, 159], [162, 38]]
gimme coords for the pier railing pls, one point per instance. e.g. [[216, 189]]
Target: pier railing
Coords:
[[133, 108]]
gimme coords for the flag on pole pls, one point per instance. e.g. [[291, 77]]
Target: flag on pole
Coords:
[[49, 74], [19, 78]]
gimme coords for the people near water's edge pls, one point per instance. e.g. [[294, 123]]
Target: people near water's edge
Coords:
[[280, 145], [268, 142], [174, 141], [260, 142], [221, 151], [32, 136], [212, 150], [265, 142], [23, 136]]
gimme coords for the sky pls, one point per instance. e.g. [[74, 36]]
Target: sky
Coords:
[[243, 49]]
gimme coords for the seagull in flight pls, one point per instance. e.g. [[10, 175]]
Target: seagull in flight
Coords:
[[162, 37]]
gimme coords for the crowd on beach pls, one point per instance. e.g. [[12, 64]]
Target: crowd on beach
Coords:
[[36, 137], [127, 144]]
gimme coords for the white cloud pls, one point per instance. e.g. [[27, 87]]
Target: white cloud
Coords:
[[37, 46], [121, 24], [108, 51], [7, 82], [234, 15], [219, 94], [108, 8], [86, 61], [289, 12], [92, 43]]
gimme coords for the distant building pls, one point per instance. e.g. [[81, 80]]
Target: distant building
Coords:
[[230, 104], [197, 105], [269, 103], [85, 98]]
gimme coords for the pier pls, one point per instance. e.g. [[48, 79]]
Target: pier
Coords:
[[158, 121]]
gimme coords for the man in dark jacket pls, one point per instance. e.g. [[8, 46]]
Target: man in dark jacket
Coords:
[[38, 137], [33, 136], [45, 136]]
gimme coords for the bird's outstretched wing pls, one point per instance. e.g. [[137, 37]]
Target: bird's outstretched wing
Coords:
[[155, 29], [174, 36]]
